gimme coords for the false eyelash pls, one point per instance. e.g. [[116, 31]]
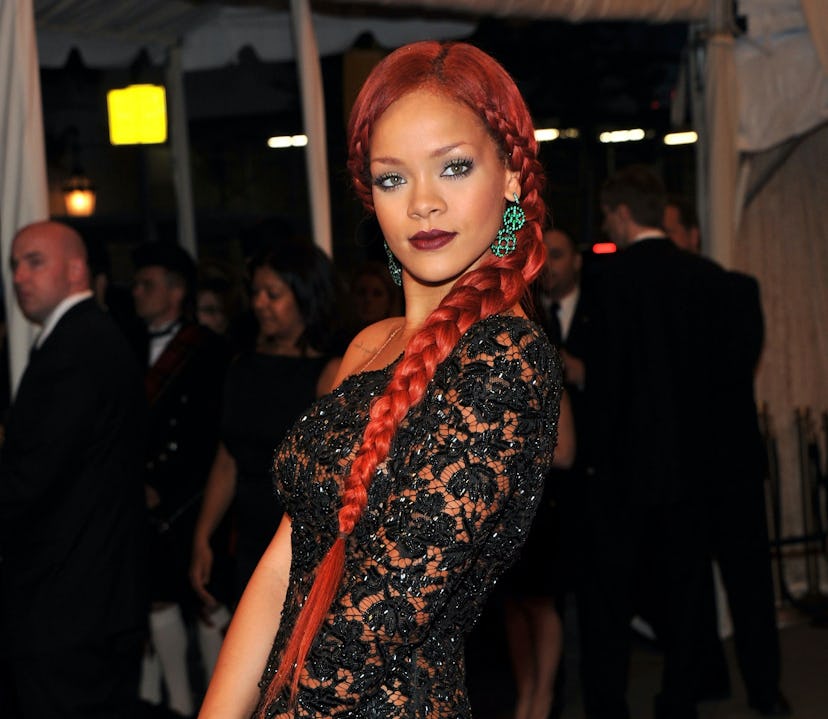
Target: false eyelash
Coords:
[[377, 181], [456, 161]]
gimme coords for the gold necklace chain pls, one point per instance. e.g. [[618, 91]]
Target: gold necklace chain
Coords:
[[382, 347]]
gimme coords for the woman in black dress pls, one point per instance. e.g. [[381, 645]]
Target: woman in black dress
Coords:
[[411, 486], [265, 391]]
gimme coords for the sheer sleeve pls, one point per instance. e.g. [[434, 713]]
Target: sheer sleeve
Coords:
[[447, 513]]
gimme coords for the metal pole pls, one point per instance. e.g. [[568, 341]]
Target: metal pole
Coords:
[[313, 111]]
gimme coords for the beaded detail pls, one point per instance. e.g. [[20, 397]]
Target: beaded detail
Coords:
[[446, 515]]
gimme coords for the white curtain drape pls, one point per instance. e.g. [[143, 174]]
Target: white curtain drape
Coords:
[[783, 242], [816, 13], [23, 191]]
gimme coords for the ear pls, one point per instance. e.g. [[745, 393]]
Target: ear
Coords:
[[76, 270], [512, 185], [623, 212]]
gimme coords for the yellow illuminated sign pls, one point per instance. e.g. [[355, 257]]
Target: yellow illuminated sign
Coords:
[[137, 115]]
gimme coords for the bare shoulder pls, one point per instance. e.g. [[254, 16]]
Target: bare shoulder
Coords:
[[364, 346]]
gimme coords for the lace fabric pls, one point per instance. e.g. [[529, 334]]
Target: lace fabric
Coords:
[[447, 513]]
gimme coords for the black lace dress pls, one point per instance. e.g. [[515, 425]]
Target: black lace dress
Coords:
[[446, 515]]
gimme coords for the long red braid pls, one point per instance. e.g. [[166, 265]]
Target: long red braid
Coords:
[[466, 74]]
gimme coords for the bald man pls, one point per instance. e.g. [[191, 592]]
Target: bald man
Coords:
[[72, 596]]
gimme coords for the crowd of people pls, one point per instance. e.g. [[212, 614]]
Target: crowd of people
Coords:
[[321, 508]]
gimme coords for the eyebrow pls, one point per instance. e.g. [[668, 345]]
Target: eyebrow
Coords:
[[439, 152]]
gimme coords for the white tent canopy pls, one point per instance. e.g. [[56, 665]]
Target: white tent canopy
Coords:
[[211, 36]]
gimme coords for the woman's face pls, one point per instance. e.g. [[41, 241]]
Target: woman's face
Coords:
[[210, 311], [371, 298], [439, 186], [274, 305]]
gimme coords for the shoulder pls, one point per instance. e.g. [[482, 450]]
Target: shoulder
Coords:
[[363, 346], [86, 326], [742, 282], [510, 344], [497, 333], [88, 342], [83, 314], [503, 367]]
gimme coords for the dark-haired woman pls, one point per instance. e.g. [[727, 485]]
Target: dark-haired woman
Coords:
[[410, 488], [292, 297]]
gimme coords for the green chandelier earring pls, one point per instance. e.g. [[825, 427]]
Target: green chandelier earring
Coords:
[[513, 219], [393, 266]]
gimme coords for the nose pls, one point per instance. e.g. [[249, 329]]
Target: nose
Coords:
[[258, 300], [425, 200], [19, 274]]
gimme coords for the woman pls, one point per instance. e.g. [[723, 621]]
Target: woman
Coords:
[[400, 517], [265, 391]]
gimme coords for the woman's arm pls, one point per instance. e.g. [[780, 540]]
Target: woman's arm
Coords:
[[564, 454], [234, 690], [218, 495]]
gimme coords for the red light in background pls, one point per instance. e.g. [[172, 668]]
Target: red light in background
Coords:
[[604, 248]]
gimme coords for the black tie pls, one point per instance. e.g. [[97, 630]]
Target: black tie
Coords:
[[553, 328]]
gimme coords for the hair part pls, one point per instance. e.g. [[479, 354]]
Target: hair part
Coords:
[[467, 75]]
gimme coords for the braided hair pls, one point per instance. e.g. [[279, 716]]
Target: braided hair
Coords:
[[465, 74]]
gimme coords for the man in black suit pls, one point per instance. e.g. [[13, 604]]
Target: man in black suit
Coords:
[[650, 380], [738, 538], [185, 367], [72, 517]]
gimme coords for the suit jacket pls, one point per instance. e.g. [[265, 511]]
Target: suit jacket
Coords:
[[577, 343], [72, 517], [653, 371], [739, 450]]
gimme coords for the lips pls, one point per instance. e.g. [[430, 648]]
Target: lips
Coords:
[[431, 240]]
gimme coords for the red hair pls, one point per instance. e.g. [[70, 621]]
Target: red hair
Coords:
[[467, 75]]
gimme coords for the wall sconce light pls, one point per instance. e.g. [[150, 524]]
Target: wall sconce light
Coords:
[[137, 115], [79, 196]]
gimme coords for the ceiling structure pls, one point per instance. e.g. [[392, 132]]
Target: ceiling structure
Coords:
[[593, 72]]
